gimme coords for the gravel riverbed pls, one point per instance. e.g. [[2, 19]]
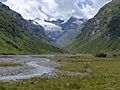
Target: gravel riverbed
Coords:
[[31, 66]]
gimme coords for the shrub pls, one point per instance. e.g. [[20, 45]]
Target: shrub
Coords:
[[100, 55], [116, 54]]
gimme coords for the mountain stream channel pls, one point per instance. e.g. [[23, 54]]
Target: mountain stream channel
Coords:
[[30, 66]]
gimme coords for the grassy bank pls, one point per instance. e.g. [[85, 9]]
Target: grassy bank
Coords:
[[104, 75], [3, 64]]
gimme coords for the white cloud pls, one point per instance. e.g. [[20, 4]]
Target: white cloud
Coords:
[[46, 9]]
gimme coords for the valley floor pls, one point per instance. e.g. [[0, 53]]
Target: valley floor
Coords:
[[72, 72]]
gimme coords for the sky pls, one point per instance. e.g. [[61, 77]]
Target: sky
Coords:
[[2, 0], [55, 9]]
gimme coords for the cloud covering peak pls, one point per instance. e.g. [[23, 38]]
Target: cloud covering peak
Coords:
[[55, 9]]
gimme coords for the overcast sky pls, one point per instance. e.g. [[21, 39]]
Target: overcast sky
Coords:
[[50, 9]]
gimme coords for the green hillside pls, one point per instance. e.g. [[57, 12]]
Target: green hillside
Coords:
[[18, 36], [101, 33]]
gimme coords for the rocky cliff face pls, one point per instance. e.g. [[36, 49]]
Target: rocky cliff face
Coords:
[[18, 36], [71, 29], [102, 33]]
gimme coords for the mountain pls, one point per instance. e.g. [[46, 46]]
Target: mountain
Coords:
[[65, 32], [71, 23], [18, 36], [71, 29], [101, 33], [56, 22], [51, 29]]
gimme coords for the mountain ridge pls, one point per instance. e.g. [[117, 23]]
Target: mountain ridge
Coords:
[[71, 29], [101, 33], [18, 36], [67, 32]]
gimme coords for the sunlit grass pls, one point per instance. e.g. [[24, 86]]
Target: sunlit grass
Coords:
[[11, 64]]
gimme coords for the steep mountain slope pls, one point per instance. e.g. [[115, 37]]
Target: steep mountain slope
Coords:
[[54, 29], [51, 28], [102, 33], [18, 36], [64, 32], [71, 29]]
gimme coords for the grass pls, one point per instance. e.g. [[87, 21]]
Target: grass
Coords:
[[105, 75], [72, 63], [4, 64], [18, 36], [107, 32]]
